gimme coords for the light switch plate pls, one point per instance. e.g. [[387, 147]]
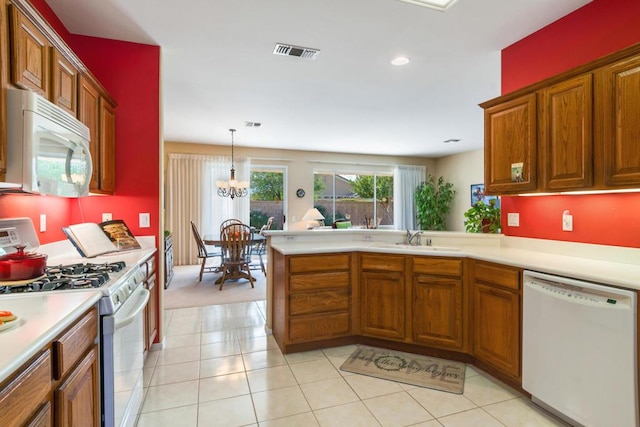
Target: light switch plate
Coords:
[[513, 219], [567, 221], [43, 223], [145, 220], [107, 217]]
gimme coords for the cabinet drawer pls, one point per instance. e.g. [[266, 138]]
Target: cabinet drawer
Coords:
[[382, 262], [301, 282], [70, 347], [318, 302], [500, 275], [332, 262], [318, 327], [25, 394], [438, 266]]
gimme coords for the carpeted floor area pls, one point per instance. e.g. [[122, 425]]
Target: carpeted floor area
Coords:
[[185, 291]]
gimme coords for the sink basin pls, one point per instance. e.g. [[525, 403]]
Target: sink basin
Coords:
[[421, 248]]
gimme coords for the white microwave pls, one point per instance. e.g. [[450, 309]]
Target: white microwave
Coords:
[[47, 148]]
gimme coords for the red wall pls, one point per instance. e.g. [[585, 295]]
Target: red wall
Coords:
[[131, 74], [599, 28]]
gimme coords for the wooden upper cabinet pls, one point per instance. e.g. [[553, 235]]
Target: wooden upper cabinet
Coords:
[[89, 114], [4, 64], [565, 134], [107, 147], [617, 130], [64, 88], [30, 50], [98, 114], [510, 146]]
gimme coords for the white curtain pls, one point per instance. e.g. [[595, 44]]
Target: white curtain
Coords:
[[192, 196], [405, 181]]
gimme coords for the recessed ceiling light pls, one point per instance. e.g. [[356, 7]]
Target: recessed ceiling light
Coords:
[[400, 60], [441, 5], [451, 141]]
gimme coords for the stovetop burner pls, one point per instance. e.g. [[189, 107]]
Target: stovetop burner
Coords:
[[68, 277]]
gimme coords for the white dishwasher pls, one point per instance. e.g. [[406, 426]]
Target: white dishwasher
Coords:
[[579, 350]]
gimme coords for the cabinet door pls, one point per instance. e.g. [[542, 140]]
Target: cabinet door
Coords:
[[565, 134], [497, 328], [29, 55], [151, 313], [510, 146], [107, 147], [76, 400], [88, 113], [4, 64], [64, 83], [382, 304], [617, 130], [437, 311]]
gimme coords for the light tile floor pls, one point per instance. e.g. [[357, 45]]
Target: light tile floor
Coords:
[[219, 368]]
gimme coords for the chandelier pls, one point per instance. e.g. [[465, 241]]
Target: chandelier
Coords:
[[232, 188]]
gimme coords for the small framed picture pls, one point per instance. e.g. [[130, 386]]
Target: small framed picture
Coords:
[[477, 195]]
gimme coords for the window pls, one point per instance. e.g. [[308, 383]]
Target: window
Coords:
[[360, 197], [267, 196]]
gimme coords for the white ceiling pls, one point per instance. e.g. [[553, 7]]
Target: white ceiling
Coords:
[[218, 70]]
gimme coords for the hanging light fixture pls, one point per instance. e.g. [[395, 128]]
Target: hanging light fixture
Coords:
[[232, 188]]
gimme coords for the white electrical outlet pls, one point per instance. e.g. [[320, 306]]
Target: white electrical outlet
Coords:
[[106, 217], [43, 223], [145, 220], [513, 219], [567, 221]]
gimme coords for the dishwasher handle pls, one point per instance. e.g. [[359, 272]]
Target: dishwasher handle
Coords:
[[141, 296]]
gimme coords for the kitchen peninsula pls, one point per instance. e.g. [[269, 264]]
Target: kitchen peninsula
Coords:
[[460, 298]]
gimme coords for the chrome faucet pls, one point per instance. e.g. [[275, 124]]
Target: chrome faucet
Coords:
[[411, 237]]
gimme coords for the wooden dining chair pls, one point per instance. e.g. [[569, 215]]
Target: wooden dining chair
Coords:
[[236, 242], [229, 222], [260, 248], [204, 254]]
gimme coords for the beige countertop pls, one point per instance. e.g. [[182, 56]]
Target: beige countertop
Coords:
[[41, 317], [609, 265]]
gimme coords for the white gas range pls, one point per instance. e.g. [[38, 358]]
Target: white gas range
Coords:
[[120, 279]]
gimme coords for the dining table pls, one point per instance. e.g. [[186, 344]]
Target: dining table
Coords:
[[215, 240]]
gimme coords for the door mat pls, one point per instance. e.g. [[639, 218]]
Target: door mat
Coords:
[[414, 369]]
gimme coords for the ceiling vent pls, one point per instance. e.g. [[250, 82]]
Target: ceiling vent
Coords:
[[252, 124], [300, 52]]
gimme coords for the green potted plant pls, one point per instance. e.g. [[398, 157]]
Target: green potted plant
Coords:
[[483, 218], [433, 202]]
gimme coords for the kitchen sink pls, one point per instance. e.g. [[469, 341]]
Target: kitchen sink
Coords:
[[422, 248]]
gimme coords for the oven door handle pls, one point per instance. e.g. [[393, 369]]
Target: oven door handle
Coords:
[[140, 303]]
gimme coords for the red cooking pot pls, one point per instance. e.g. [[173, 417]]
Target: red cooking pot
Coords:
[[21, 265]]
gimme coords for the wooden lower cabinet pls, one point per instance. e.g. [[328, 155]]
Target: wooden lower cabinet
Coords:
[[77, 400], [437, 309], [151, 310], [497, 317], [60, 385], [382, 295], [312, 299]]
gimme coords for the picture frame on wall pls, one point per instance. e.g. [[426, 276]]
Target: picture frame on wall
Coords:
[[478, 195]]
